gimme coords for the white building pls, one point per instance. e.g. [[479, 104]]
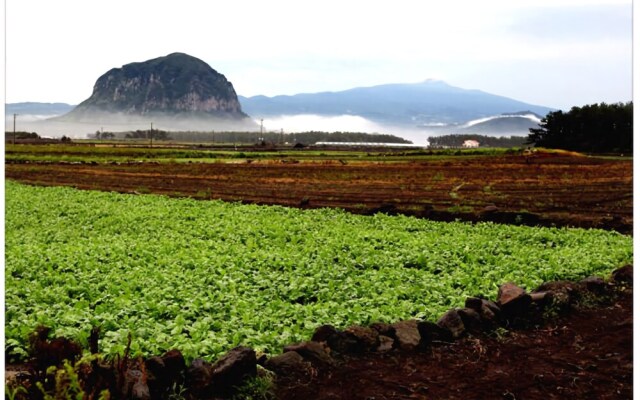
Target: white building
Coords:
[[470, 144]]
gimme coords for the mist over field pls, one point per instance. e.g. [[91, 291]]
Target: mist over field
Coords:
[[343, 123], [412, 111], [57, 126], [49, 126]]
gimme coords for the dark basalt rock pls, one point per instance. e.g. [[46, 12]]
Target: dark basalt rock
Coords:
[[177, 86], [513, 300], [488, 310], [323, 333], [157, 378], [384, 329], [623, 274], [366, 338], [199, 376], [406, 334], [452, 322], [431, 332], [343, 343], [315, 352], [509, 292], [287, 363], [563, 293], [385, 344], [595, 284], [232, 369], [471, 320], [48, 352], [174, 362]]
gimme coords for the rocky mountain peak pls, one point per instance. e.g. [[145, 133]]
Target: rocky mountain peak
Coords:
[[176, 84]]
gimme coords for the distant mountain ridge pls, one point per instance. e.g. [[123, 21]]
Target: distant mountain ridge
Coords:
[[405, 104], [433, 107], [35, 108]]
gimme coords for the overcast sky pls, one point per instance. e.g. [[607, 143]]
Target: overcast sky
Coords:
[[556, 53]]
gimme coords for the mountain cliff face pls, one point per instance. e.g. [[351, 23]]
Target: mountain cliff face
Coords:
[[175, 86]]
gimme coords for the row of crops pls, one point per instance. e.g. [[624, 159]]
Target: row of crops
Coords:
[[207, 276], [105, 153]]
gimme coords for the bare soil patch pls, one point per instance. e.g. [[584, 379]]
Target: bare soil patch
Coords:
[[548, 190], [585, 355]]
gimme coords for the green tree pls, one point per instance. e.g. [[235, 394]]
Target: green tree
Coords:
[[596, 128]]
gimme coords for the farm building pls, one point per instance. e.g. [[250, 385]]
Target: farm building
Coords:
[[470, 144]]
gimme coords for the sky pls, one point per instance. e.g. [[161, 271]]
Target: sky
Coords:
[[555, 53]]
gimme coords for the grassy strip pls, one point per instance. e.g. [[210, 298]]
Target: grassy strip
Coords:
[[90, 153]]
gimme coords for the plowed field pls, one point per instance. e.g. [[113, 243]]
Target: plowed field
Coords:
[[546, 189]]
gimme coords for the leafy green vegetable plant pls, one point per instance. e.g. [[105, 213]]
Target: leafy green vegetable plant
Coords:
[[205, 276]]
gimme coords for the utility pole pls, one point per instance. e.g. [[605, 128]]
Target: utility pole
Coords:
[[14, 128], [151, 136]]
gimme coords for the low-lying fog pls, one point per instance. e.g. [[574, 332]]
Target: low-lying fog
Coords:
[[48, 126]]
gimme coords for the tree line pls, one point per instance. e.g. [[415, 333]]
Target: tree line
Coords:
[[32, 137], [595, 128], [308, 137], [20, 135]]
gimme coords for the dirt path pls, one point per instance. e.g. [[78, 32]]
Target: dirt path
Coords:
[[587, 355]]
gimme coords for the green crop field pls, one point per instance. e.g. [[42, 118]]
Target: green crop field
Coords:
[[205, 276], [128, 152]]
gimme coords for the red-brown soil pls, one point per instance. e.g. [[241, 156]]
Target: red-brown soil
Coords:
[[586, 355], [547, 189]]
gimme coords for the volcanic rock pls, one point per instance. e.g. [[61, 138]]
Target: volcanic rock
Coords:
[[315, 352], [174, 363], [488, 310], [594, 284], [407, 335], [136, 386], [199, 376], [513, 300], [452, 321], [471, 320], [431, 332], [564, 293], [323, 332], [175, 87], [623, 274], [385, 344], [509, 292], [287, 363], [384, 329], [232, 369], [367, 338]]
